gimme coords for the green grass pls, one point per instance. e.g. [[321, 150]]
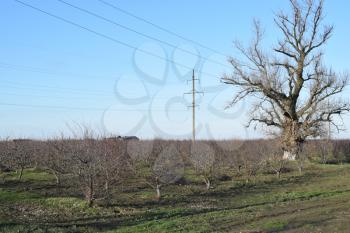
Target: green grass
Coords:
[[16, 197], [30, 175], [274, 225], [317, 201]]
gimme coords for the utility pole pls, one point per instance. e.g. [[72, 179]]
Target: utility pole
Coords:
[[193, 92], [193, 108]]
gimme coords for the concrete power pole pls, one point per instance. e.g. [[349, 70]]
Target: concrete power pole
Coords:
[[193, 92]]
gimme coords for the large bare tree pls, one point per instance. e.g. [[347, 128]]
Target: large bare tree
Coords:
[[295, 94]]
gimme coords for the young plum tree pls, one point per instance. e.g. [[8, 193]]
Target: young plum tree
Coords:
[[202, 157], [21, 155], [163, 166], [274, 156], [115, 165], [57, 158], [253, 158]]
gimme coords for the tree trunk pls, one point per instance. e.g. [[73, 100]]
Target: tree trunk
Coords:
[[290, 156], [107, 186], [278, 173], [324, 158], [207, 183], [108, 196], [158, 195], [247, 178], [301, 166], [20, 173], [90, 202], [157, 187], [57, 177], [239, 169], [292, 142], [89, 196]]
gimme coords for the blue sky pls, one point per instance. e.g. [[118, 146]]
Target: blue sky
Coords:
[[54, 74]]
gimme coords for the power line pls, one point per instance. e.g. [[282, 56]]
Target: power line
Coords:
[[21, 68], [35, 96], [23, 86], [107, 37], [97, 92], [32, 88], [138, 32], [15, 67], [151, 97], [161, 107], [53, 97], [66, 98], [160, 27], [85, 108]]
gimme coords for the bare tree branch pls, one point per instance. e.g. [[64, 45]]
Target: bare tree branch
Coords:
[[295, 92]]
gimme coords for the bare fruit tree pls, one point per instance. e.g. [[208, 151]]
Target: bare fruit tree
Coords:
[[294, 92], [21, 154], [3, 155], [202, 157], [4, 158], [167, 168], [274, 156], [115, 165], [253, 158], [56, 158], [159, 167]]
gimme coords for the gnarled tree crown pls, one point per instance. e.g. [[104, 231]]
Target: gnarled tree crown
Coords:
[[295, 93]]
